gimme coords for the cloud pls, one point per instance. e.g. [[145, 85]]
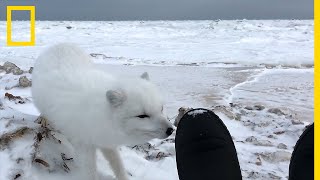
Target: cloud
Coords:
[[165, 9]]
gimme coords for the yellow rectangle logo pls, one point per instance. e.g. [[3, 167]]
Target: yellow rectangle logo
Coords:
[[32, 27]]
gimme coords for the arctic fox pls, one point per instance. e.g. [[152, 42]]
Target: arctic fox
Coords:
[[95, 109]]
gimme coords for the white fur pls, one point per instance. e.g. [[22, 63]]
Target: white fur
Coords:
[[93, 108]]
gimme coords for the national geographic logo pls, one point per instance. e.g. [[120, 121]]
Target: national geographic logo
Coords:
[[32, 10]]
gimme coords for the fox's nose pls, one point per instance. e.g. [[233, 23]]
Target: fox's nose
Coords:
[[169, 131]]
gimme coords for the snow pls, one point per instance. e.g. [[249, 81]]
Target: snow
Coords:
[[210, 43], [194, 113], [256, 75]]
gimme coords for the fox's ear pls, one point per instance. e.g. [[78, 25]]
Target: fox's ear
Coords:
[[145, 76], [116, 97]]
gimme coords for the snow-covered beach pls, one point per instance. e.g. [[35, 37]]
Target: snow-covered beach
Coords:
[[256, 75]]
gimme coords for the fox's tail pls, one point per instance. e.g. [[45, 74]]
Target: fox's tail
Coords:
[[64, 56]]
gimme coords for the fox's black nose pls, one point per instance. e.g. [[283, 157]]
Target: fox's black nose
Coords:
[[169, 131]]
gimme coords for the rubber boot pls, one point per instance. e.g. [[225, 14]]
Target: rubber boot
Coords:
[[302, 160], [204, 148]]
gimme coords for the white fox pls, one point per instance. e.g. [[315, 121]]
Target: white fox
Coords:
[[95, 109]]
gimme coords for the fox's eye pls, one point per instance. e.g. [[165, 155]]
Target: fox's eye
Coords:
[[143, 116]]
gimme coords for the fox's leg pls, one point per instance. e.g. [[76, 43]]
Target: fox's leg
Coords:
[[116, 164], [85, 159]]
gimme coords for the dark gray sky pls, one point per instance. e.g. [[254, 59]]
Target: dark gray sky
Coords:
[[163, 9]]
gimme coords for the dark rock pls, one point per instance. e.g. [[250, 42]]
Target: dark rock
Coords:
[[248, 108], [1, 105], [271, 136], [258, 107], [30, 70], [181, 111], [279, 132], [232, 105], [16, 99]]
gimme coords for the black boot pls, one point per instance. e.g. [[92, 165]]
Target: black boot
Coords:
[[204, 148], [302, 160]]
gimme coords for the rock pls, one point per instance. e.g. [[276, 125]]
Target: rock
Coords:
[[8, 64], [257, 142], [24, 82], [16, 99], [47, 149], [276, 157], [258, 107], [225, 110], [144, 148], [296, 122], [249, 108], [182, 111], [258, 161], [253, 175], [248, 123], [99, 55], [251, 139], [258, 175], [30, 70], [69, 27], [282, 146], [278, 132], [269, 66], [7, 138], [156, 156], [271, 136], [238, 117], [11, 68], [232, 105], [243, 112], [273, 176], [276, 111], [17, 71], [1, 105]]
